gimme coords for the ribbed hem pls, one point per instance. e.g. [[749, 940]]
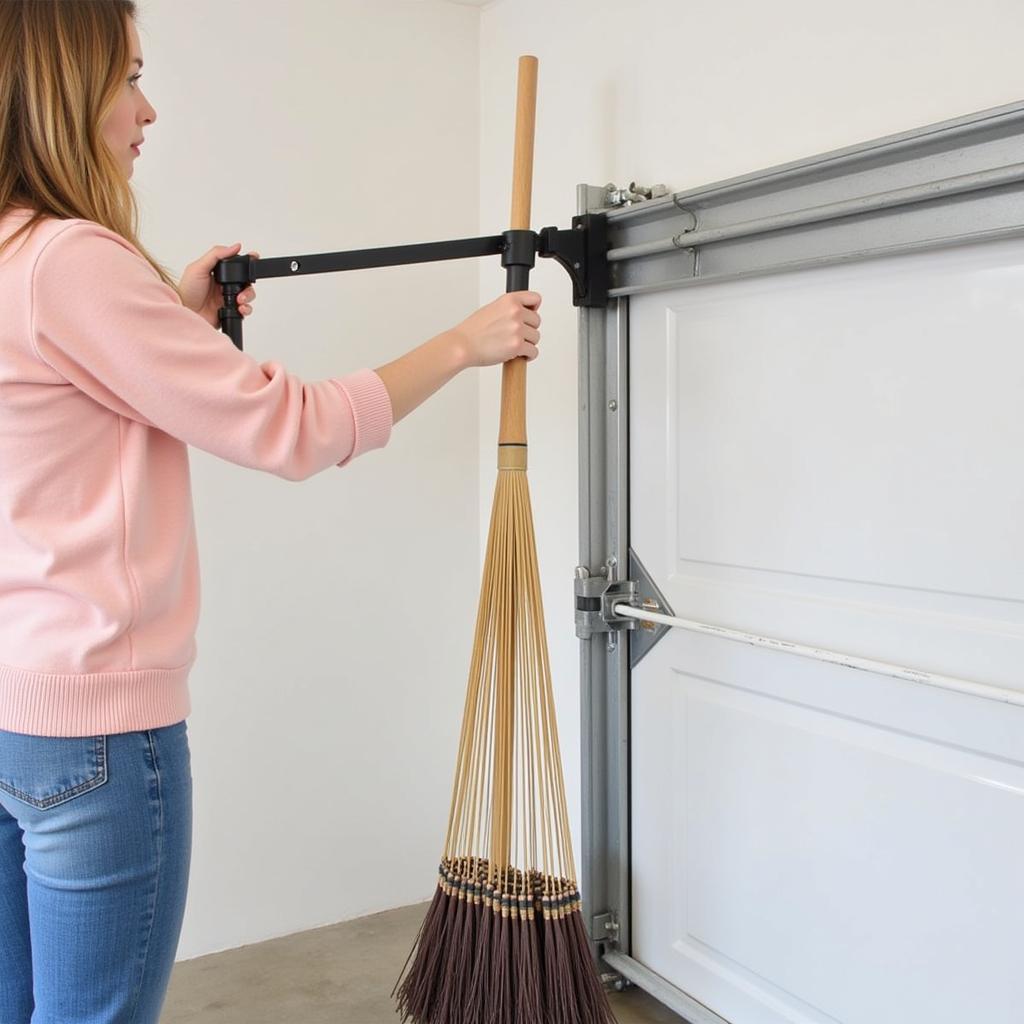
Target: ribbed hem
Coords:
[[371, 410], [93, 703]]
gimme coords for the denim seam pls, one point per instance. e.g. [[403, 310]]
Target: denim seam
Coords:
[[83, 787], [156, 889]]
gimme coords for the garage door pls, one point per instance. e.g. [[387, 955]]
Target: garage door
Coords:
[[807, 426]]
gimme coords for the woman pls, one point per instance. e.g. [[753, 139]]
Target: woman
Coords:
[[108, 370]]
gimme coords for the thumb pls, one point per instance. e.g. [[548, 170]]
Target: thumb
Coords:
[[220, 252], [204, 265]]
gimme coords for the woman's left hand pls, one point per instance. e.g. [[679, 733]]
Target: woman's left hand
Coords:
[[202, 294]]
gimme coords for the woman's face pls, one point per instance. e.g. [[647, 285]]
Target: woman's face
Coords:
[[124, 125]]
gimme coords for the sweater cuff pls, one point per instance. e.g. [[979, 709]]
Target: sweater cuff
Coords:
[[372, 415]]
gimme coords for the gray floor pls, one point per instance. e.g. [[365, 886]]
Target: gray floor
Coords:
[[342, 974]]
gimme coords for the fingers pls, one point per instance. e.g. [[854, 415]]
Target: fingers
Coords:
[[531, 300], [526, 317], [250, 293], [245, 299], [524, 306]]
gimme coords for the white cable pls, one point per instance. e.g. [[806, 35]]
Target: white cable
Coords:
[[912, 675]]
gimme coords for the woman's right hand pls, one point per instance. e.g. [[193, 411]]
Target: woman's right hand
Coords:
[[501, 330]]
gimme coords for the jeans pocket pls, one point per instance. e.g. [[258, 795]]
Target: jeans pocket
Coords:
[[48, 770]]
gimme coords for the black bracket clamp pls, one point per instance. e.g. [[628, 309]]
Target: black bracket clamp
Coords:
[[582, 250]]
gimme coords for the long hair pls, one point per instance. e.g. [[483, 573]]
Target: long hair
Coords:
[[62, 66]]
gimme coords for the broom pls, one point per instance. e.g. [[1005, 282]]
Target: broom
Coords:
[[503, 941]]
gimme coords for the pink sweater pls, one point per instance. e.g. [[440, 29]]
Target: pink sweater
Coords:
[[105, 379]]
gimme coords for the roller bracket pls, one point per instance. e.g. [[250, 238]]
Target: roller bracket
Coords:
[[605, 928], [633, 193], [596, 596]]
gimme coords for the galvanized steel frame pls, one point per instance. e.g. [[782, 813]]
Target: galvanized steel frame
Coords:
[[950, 183]]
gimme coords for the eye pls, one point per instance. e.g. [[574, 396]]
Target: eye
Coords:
[[134, 78]]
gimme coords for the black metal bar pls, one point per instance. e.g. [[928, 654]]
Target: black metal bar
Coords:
[[581, 251], [389, 256]]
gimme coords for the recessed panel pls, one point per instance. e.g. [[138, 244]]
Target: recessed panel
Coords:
[[795, 864], [855, 423]]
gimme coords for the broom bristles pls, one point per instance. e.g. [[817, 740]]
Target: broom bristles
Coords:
[[528, 992], [503, 944], [476, 1002], [500, 956], [414, 995], [464, 960]]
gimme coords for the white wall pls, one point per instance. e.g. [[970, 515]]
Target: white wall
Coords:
[[321, 761], [661, 91]]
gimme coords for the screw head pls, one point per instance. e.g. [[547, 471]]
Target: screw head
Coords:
[[294, 265], [613, 405]]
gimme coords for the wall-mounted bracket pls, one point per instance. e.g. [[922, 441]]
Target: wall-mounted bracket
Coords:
[[583, 251]]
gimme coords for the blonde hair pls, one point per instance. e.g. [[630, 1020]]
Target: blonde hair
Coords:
[[62, 66]]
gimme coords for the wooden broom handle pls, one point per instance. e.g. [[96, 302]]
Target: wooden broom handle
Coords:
[[513, 372]]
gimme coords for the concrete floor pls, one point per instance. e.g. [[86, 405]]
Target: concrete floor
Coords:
[[341, 974]]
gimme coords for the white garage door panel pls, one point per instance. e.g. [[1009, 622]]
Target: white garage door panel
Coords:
[[833, 456], [809, 866], [783, 432], [848, 433]]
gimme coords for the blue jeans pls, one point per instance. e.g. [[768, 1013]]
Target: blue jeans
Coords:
[[95, 847]]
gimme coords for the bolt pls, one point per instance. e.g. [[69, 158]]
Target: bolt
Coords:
[[613, 405], [295, 265]]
